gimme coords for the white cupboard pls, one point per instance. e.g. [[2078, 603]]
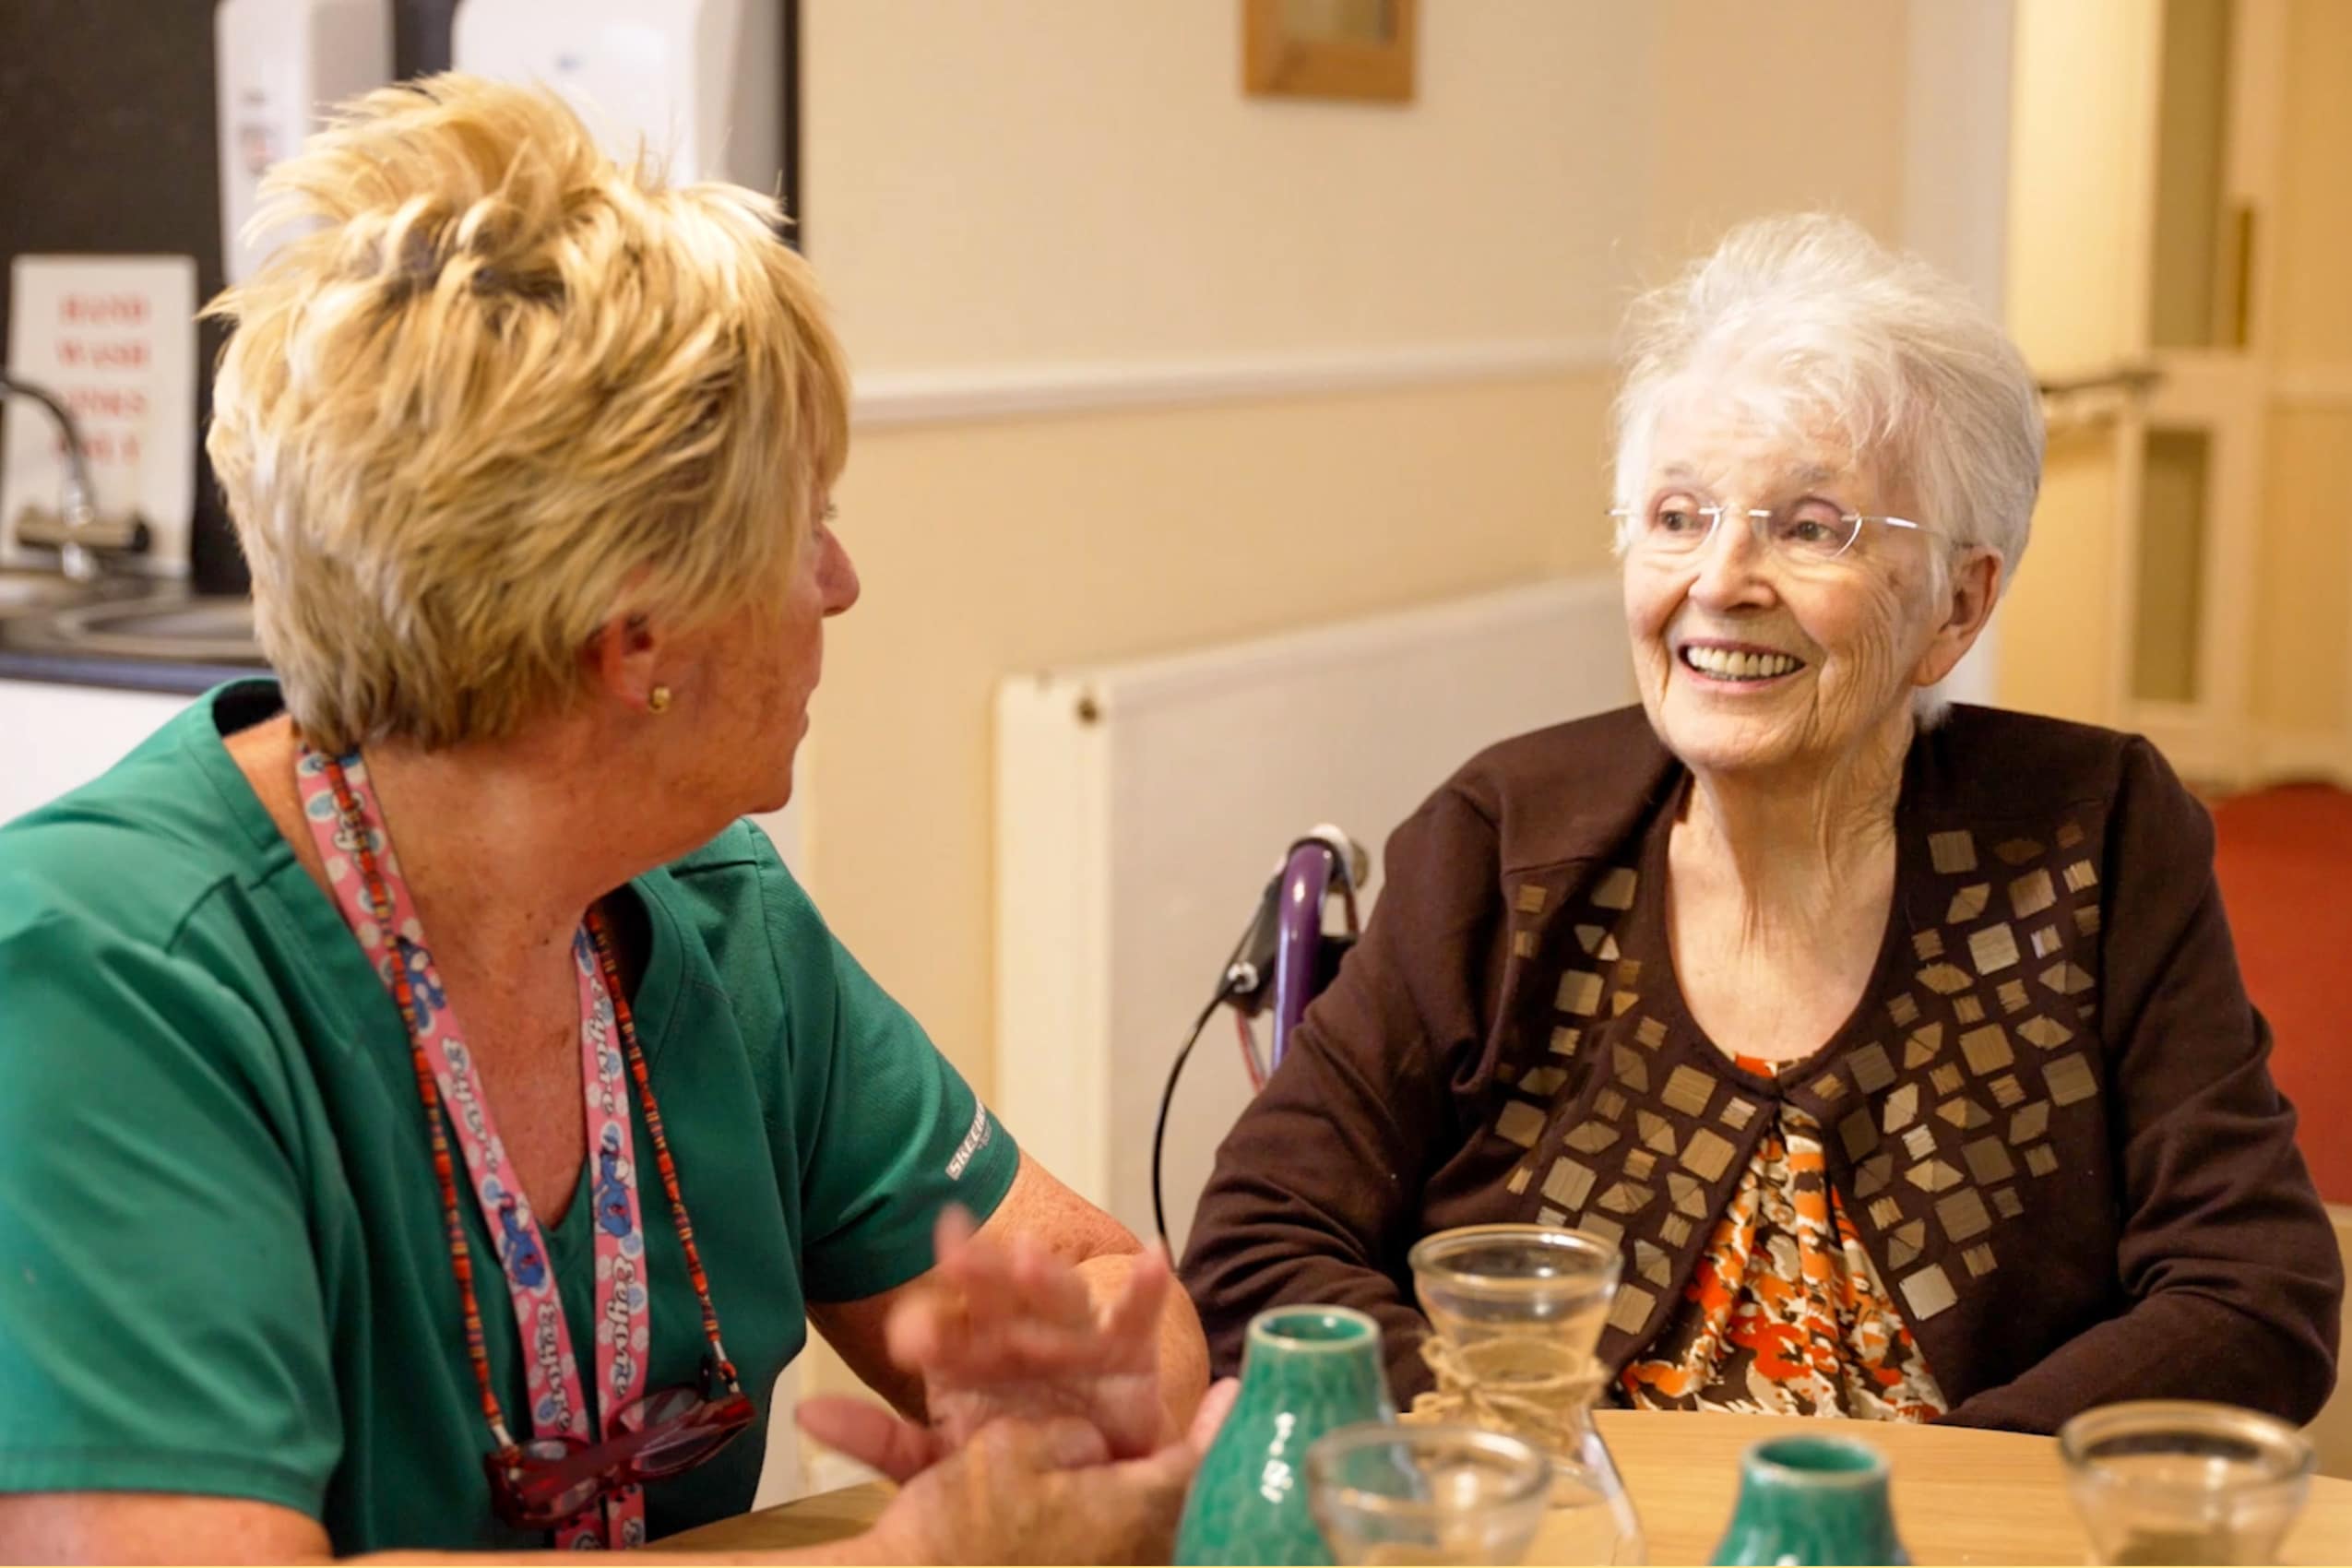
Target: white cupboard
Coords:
[[55, 737]]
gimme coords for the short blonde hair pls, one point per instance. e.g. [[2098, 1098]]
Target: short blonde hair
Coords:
[[504, 391]]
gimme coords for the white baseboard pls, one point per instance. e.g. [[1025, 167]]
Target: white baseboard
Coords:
[[2288, 755], [2204, 755], [2247, 757]]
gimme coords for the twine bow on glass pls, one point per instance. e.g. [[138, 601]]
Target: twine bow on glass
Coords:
[[1525, 1387]]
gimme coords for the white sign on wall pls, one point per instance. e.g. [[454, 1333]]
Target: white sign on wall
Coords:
[[115, 339]]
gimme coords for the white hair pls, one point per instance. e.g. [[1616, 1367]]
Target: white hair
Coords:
[[1813, 326]]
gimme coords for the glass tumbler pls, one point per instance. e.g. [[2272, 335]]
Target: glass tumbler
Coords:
[[1516, 1313], [1386, 1493], [2175, 1481]]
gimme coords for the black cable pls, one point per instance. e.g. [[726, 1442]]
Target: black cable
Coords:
[[1168, 1099], [1229, 984]]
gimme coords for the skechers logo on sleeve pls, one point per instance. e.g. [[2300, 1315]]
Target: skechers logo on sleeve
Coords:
[[974, 1141]]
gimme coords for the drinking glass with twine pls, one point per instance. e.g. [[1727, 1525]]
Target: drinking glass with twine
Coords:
[[1516, 1314]]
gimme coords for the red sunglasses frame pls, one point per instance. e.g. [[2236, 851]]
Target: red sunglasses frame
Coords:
[[529, 1489]]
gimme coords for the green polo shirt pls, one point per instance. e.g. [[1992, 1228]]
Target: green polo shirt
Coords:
[[222, 1264]]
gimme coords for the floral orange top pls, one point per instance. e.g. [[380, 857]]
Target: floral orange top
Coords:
[[1786, 1315]]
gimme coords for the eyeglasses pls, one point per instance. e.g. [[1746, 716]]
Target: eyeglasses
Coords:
[[548, 1481], [1804, 533]]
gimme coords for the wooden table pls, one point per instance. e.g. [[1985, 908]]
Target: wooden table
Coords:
[[1960, 1495]]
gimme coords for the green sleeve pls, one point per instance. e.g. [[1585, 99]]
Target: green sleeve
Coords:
[[161, 1322], [889, 1132]]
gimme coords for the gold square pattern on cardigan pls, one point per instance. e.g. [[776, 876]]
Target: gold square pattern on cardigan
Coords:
[[1942, 1122]]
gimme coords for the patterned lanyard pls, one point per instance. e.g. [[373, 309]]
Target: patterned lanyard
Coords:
[[340, 804]]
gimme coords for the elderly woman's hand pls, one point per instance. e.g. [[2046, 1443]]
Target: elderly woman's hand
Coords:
[[1047, 1490], [1001, 1330]]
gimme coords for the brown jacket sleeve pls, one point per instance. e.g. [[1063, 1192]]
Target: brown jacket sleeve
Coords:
[[1315, 1196], [2226, 1256]]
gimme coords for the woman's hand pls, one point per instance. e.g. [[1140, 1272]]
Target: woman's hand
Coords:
[[1047, 1490], [1002, 1330]]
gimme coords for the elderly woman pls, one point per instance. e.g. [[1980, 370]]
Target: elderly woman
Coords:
[[431, 1116], [1900, 1050]]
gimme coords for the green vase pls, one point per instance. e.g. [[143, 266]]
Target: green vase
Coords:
[[1811, 1499], [1305, 1370]]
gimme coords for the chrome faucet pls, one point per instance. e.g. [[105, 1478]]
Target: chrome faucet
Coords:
[[82, 538]]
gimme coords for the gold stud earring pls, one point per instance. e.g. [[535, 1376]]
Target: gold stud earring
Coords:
[[658, 700]]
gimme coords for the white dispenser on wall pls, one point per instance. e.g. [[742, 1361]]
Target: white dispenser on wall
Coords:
[[700, 80], [281, 64]]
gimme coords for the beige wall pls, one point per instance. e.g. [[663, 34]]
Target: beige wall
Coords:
[[2075, 232], [2302, 665], [2313, 227], [2059, 653], [2302, 669], [1043, 181], [2075, 213], [1770, 108]]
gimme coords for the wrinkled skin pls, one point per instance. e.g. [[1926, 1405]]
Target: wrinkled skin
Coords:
[[1871, 628], [1047, 1490]]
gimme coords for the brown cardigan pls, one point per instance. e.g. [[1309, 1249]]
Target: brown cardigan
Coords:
[[2049, 1116]]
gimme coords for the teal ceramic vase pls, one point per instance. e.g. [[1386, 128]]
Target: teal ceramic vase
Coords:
[[1811, 1499], [1305, 1370]]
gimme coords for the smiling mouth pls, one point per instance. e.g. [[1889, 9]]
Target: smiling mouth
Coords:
[[1736, 666]]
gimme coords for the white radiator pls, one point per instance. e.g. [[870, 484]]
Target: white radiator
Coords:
[[1140, 808]]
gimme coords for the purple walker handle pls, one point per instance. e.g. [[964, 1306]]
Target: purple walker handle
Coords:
[[1298, 939]]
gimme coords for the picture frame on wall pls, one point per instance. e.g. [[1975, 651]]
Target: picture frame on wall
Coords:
[[1358, 49]]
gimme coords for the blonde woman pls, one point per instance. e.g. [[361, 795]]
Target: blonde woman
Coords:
[[433, 1117]]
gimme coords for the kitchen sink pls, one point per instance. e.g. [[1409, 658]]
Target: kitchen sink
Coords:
[[137, 633], [200, 628], [24, 592]]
